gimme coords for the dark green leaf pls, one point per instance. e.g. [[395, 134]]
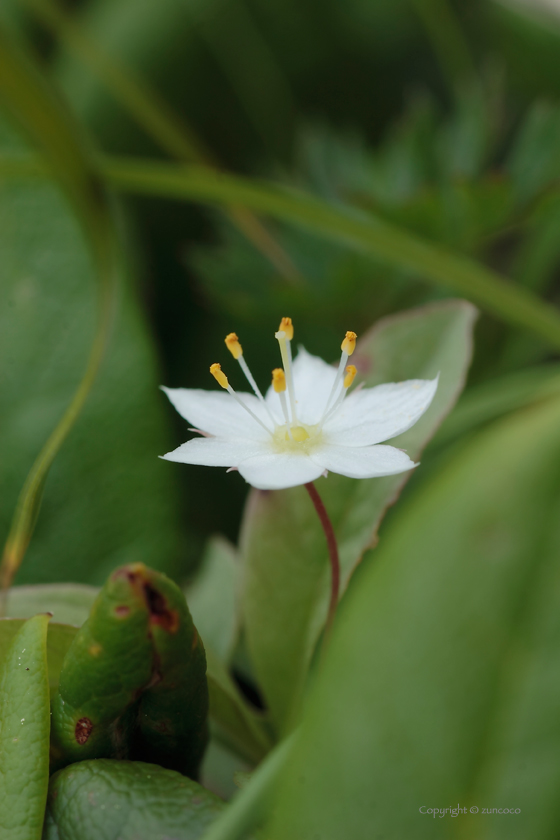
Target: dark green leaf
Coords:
[[108, 497], [108, 799]]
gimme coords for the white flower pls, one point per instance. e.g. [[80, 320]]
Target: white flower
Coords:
[[277, 443]]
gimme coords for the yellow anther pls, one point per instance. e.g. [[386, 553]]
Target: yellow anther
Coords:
[[278, 380], [287, 327], [350, 375], [219, 375], [233, 345], [349, 343]]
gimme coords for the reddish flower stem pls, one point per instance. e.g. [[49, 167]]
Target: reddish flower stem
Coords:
[[333, 551]]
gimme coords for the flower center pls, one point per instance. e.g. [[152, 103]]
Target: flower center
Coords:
[[299, 433], [293, 438], [293, 433]]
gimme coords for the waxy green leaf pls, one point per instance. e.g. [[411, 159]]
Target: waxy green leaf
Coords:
[[24, 733], [108, 799], [286, 571], [440, 686], [59, 639]]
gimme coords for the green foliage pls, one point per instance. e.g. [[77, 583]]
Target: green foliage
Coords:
[[212, 598], [445, 659], [285, 579], [69, 603], [441, 177], [24, 732], [47, 324], [105, 799]]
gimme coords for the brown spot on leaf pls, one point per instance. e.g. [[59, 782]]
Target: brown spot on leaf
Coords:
[[83, 730], [122, 611], [159, 611]]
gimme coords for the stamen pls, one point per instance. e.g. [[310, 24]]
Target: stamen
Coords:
[[236, 350], [348, 346], [348, 379], [233, 345], [287, 327], [278, 380], [279, 385], [286, 353], [219, 375], [221, 379], [351, 372]]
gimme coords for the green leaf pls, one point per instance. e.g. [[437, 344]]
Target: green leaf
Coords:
[[59, 639], [212, 597], [69, 603], [107, 498], [492, 399], [24, 733], [286, 573], [40, 113], [234, 724], [441, 683], [105, 799]]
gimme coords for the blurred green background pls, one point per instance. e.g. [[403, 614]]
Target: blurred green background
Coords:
[[439, 118]]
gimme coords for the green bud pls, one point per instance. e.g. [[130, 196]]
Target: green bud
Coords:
[[172, 728], [133, 682]]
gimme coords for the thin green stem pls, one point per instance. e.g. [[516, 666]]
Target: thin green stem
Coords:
[[363, 232], [332, 547]]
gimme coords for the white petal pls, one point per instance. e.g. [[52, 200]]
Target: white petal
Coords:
[[372, 415], [313, 380], [278, 471], [217, 412], [363, 461], [215, 452]]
